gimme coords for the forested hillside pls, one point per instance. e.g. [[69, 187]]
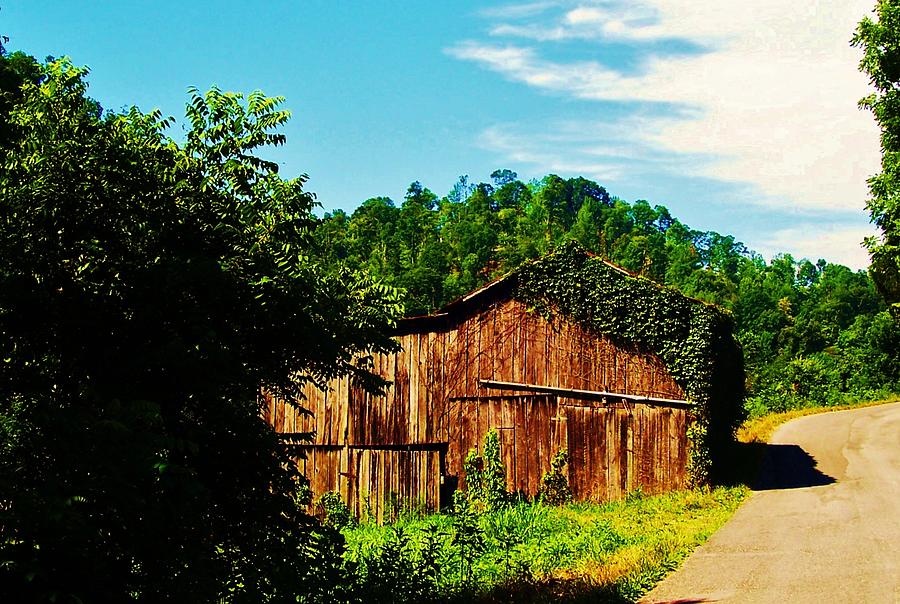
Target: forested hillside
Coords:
[[811, 332]]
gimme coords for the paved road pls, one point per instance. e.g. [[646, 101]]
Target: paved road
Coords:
[[823, 526]]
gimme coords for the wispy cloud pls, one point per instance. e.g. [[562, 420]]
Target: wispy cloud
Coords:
[[519, 10], [771, 101], [589, 22], [542, 150], [598, 150], [842, 245]]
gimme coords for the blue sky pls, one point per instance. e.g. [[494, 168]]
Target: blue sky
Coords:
[[740, 117]]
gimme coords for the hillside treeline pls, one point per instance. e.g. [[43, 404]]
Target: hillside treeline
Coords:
[[812, 333]]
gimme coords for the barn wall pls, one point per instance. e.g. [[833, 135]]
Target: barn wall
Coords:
[[435, 403], [377, 482], [528, 433]]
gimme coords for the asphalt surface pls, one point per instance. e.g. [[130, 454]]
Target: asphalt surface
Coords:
[[823, 524]]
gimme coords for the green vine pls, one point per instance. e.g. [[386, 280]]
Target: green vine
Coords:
[[693, 339]]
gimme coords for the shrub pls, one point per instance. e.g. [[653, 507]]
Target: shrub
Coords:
[[403, 571], [335, 511], [468, 536], [554, 489], [486, 476]]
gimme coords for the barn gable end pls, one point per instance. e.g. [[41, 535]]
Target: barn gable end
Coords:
[[405, 448]]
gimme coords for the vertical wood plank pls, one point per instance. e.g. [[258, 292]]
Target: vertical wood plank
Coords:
[[623, 455], [426, 432], [532, 457], [629, 444], [508, 421], [416, 431], [520, 409]]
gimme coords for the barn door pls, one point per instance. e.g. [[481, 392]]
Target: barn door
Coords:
[[599, 445], [526, 433]]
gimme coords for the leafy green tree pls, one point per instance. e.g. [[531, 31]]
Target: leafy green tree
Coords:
[[586, 227], [582, 190], [372, 236], [554, 198], [504, 177], [510, 194], [332, 237], [880, 41], [422, 254], [148, 290], [16, 69], [871, 348], [469, 228]]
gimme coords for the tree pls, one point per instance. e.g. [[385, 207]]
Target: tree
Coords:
[[880, 41], [372, 236], [15, 69], [503, 177], [148, 290]]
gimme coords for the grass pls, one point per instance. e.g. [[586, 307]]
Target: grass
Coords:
[[531, 552]]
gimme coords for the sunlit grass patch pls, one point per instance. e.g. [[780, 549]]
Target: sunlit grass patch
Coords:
[[530, 552]]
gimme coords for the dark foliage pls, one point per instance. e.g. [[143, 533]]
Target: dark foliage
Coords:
[[554, 489], [147, 291]]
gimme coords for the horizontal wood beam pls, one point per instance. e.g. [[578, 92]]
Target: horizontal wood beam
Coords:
[[431, 446], [589, 395], [435, 446]]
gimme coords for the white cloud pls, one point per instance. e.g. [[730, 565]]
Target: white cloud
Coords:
[[519, 10], [772, 100], [837, 244], [596, 150], [585, 14], [543, 150]]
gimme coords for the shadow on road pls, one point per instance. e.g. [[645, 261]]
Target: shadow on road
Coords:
[[764, 466], [789, 467]]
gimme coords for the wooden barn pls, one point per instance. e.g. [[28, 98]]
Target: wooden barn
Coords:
[[490, 361]]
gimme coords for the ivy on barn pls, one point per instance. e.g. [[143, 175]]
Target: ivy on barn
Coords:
[[694, 339]]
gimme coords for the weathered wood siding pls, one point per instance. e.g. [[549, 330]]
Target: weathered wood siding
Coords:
[[436, 409], [377, 483], [527, 431]]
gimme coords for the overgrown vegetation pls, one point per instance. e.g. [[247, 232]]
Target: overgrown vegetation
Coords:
[[534, 552], [334, 511], [879, 39], [485, 477], [493, 547], [554, 488]]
